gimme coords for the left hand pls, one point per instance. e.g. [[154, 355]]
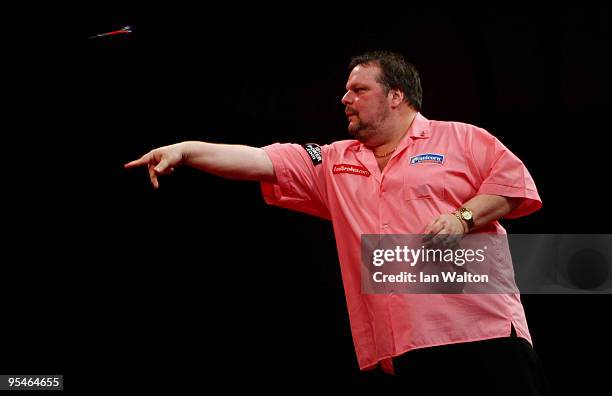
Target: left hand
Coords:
[[444, 231]]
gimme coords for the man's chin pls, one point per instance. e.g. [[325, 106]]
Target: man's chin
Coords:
[[358, 133]]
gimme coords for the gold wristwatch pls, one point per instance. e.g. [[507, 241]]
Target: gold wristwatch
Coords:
[[467, 215]]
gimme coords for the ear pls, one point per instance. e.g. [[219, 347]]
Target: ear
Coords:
[[396, 97]]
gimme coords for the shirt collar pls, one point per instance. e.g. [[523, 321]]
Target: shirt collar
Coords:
[[419, 129]]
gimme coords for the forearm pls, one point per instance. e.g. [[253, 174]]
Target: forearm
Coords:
[[230, 161], [487, 208]]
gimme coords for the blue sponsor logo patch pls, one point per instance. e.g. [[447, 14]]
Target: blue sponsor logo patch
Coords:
[[427, 158]]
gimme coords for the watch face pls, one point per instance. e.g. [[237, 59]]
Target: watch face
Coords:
[[466, 215]]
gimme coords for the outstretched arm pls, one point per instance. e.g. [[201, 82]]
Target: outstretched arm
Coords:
[[226, 160]]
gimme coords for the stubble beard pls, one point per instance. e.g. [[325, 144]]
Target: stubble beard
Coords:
[[367, 131]]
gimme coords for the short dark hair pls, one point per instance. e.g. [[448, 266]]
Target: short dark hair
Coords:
[[396, 73]]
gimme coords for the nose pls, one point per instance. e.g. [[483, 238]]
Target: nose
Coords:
[[347, 99]]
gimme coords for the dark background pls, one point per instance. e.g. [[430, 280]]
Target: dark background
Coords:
[[200, 283]]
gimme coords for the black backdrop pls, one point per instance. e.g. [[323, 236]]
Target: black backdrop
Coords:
[[200, 283]]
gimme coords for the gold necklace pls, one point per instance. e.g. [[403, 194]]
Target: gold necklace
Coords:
[[385, 155]]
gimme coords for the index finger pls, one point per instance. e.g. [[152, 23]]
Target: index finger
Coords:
[[428, 232], [144, 160]]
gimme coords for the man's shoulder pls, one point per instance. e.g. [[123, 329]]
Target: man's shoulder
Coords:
[[458, 128], [453, 125], [338, 146], [335, 145], [341, 148], [330, 151], [341, 145]]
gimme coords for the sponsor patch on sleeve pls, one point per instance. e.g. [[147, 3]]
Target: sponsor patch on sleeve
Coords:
[[314, 151]]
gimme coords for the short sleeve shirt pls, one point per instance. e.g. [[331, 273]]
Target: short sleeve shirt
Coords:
[[435, 169]]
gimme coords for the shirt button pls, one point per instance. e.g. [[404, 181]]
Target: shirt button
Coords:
[[385, 226]]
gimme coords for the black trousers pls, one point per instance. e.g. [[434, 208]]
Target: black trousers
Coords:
[[501, 366]]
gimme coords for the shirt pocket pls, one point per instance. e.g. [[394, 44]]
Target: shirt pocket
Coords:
[[429, 183]]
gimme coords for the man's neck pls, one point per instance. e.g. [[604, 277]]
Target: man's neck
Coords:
[[397, 130]]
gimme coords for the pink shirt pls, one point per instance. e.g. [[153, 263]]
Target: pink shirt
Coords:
[[435, 169]]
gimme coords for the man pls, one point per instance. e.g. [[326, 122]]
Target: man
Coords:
[[403, 174]]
